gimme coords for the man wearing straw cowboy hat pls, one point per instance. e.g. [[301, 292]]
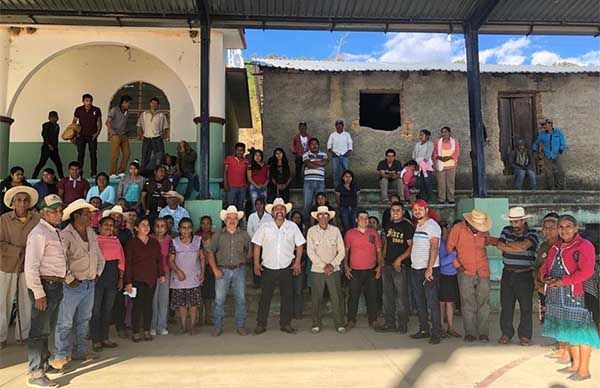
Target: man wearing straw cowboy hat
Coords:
[[469, 239], [174, 208], [14, 229], [228, 253], [45, 269], [278, 239], [518, 244], [85, 264], [326, 251]]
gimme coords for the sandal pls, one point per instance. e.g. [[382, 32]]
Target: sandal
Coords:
[[147, 336], [136, 338], [454, 333], [444, 334], [524, 341], [97, 346]]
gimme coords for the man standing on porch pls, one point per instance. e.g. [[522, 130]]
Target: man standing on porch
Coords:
[[90, 121], [153, 129], [119, 140], [553, 144], [339, 146]]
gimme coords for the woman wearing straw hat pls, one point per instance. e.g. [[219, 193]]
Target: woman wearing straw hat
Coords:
[[14, 228]]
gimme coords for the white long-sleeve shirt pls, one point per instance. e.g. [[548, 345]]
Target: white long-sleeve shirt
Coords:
[[340, 143], [254, 222]]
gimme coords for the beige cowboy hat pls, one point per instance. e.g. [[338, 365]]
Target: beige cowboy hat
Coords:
[[10, 195], [278, 202], [174, 194], [322, 209], [231, 210], [77, 205], [516, 213], [478, 220], [114, 210]]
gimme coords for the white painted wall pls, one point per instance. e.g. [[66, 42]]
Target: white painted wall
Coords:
[[100, 71]]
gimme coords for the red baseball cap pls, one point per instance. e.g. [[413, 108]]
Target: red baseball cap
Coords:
[[421, 203]]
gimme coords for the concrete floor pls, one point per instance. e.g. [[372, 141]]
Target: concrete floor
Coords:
[[360, 358]]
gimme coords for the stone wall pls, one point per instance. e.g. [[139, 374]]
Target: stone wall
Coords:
[[431, 100]]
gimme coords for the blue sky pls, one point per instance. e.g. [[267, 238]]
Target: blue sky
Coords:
[[422, 47]]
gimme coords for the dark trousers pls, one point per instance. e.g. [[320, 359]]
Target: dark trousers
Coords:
[[269, 280], [150, 146], [516, 286], [425, 186], [92, 144], [141, 316], [395, 295], [299, 176], [52, 155], [427, 299], [363, 281], [104, 299], [119, 311], [297, 297], [190, 183], [348, 217], [42, 323]]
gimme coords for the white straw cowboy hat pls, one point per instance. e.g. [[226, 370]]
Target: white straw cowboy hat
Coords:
[[478, 220], [516, 213], [278, 202], [10, 195], [77, 205], [322, 209], [174, 194], [114, 210], [231, 210]]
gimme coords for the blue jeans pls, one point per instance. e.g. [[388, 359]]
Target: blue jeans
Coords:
[[236, 279], [520, 177], [73, 319], [236, 197], [340, 164], [160, 305], [348, 216], [255, 193], [311, 188], [427, 300], [190, 183]]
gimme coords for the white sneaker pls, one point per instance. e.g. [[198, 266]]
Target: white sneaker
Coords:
[[315, 329], [152, 332], [164, 332], [341, 330], [114, 176]]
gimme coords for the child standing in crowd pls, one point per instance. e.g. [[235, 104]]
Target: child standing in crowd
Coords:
[[258, 176], [160, 302], [97, 203], [187, 264], [448, 285], [130, 186], [298, 281], [208, 287], [346, 196], [409, 179], [108, 284], [143, 266], [171, 167]]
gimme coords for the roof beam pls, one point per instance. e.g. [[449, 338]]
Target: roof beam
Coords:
[[482, 10], [203, 11]]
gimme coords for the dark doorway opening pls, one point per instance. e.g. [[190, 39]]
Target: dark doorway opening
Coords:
[[380, 110], [517, 119]]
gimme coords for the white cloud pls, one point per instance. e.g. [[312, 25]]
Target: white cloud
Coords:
[[549, 58], [418, 48], [356, 57], [508, 53]]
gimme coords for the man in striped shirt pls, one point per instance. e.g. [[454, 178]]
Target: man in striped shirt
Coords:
[[518, 244], [314, 175]]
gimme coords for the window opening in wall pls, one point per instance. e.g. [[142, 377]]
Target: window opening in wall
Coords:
[[141, 93], [380, 110]]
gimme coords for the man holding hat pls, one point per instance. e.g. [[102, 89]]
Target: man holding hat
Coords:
[[469, 239], [14, 229], [326, 251], [174, 209], [45, 270], [518, 244], [339, 146], [228, 253], [553, 144], [279, 239], [85, 264]]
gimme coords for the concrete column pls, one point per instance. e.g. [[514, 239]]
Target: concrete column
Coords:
[[217, 75], [5, 121]]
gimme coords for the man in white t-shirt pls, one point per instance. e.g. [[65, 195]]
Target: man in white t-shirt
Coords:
[[339, 146], [425, 277]]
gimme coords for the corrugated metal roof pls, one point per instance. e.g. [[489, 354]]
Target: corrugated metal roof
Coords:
[[342, 66], [508, 16]]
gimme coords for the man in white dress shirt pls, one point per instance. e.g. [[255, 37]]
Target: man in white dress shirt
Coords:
[[279, 239], [339, 146], [254, 221]]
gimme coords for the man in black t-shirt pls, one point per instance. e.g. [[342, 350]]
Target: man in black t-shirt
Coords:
[[152, 193], [389, 173], [396, 252]]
